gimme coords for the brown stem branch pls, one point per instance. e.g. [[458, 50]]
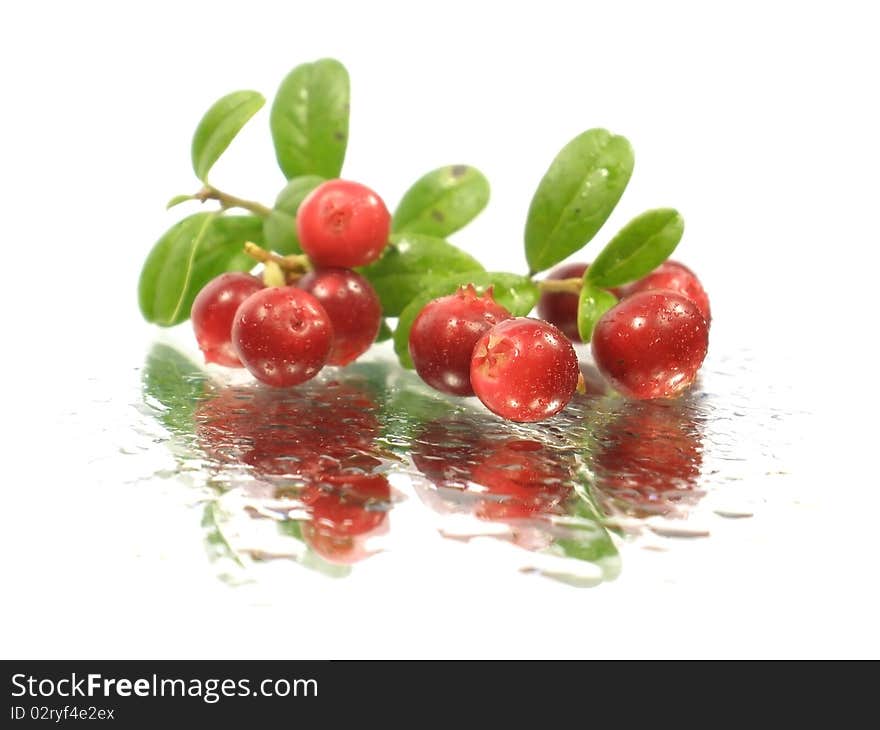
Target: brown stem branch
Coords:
[[209, 192]]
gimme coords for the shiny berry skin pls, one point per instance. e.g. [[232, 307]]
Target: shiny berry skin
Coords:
[[282, 335], [213, 311], [343, 223], [353, 307], [561, 308], [651, 344], [443, 336], [524, 370], [678, 278]]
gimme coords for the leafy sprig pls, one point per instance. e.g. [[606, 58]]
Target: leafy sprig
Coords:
[[309, 122]]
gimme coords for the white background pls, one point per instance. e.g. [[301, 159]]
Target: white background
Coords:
[[758, 121]]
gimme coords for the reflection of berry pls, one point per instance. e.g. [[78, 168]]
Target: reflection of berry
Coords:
[[678, 278], [651, 344], [282, 336], [648, 458], [523, 479], [345, 511], [348, 504], [561, 308], [443, 336], [316, 447], [213, 311], [305, 434], [524, 370], [353, 307], [512, 478], [342, 223]]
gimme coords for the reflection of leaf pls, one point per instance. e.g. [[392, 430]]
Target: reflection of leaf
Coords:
[[216, 542], [172, 384], [586, 537], [406, 410]]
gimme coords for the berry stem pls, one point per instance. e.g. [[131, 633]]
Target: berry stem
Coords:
[[569, 286], [209, 192], [293, 264], [273, 274]]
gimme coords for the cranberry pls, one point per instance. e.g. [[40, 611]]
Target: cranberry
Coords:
[[524, 370], [342, 223], [353, 307], [651, 344], [443, 336], [282, 335], [213, 311], [678, 278], [561, 308]]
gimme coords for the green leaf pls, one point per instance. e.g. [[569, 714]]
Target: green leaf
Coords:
[[409, 264], [576, 196], [219, 126], [279, 227], [177, 200], [641, 246], [518, 294], [188, 256], [309, 119], [593, 302], [442, 202], [385, 332]]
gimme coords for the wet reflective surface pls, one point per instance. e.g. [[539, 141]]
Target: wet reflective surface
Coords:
[[316, 477]]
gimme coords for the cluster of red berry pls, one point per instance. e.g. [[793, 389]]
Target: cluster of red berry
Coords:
[[331, 315], [649, 345]]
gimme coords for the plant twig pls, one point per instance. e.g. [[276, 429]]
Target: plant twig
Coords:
[[569, 286], [209, 192], [294, 264]]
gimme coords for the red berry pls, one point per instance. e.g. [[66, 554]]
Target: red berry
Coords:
[[353, 307], [561, 308], [443, 336], [524, 370], [282, 335], [651, 344], [213, 311], [342, 223], [678, 278]]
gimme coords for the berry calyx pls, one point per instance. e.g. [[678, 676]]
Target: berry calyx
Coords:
[[678, 278], [343, 223], [282, 335], [444, 333], [560, 308], [213, 311], [651, 344], [353, 307], [524, 370]]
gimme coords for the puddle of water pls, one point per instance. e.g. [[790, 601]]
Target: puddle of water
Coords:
[[316, 475]]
